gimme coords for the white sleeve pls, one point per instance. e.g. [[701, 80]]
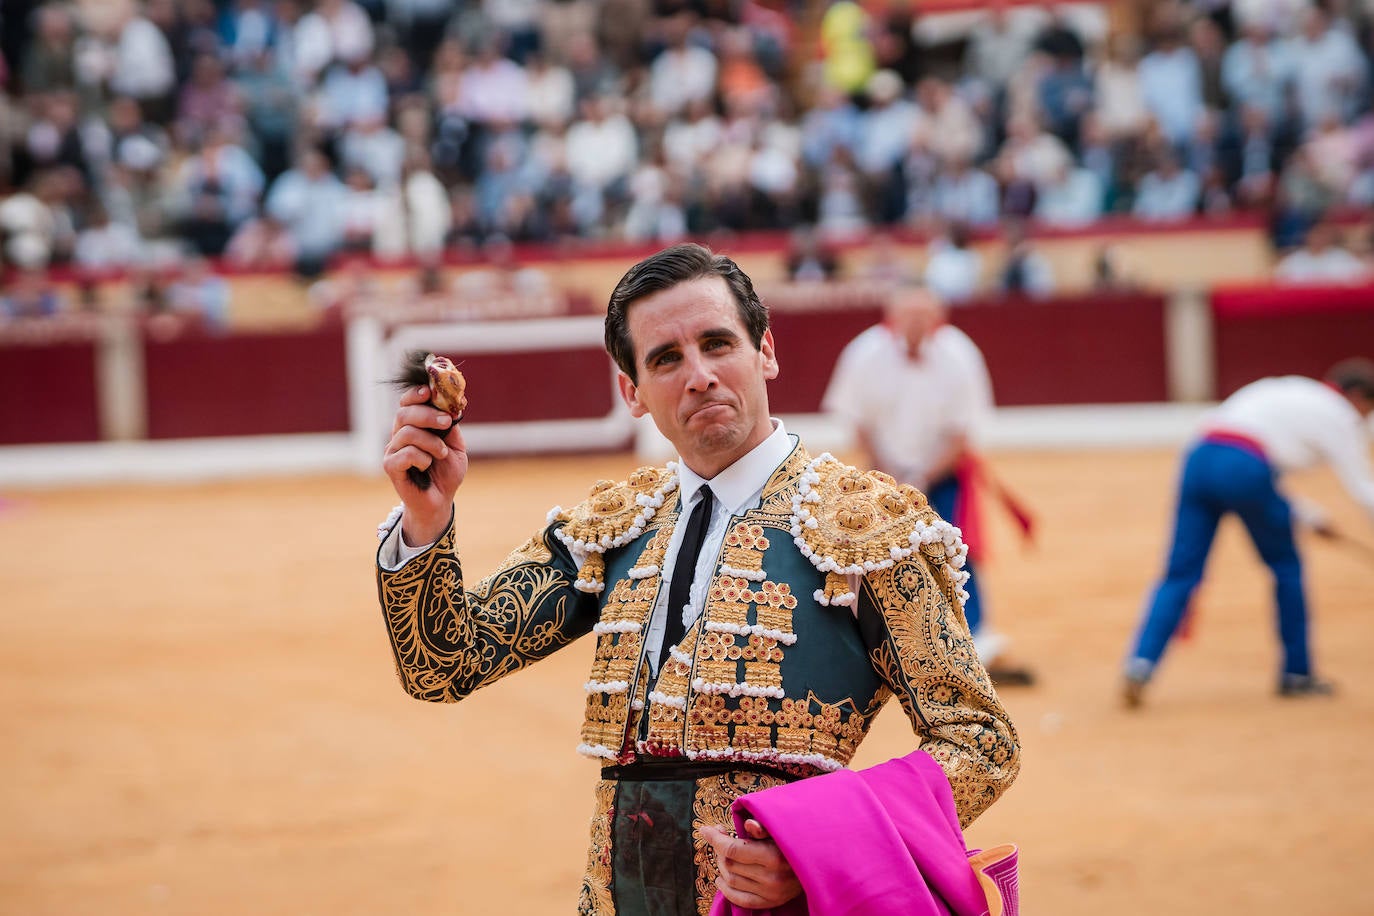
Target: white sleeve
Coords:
[[844, 395], [974, 410], [395, 552], [1347, 450]]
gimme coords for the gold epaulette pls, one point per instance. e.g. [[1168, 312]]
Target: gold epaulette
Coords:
[[612, 515], [849, 522]]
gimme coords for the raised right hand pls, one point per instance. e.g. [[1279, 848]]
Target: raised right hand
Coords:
[[415, 444]]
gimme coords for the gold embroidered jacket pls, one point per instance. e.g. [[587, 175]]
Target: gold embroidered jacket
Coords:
[[838, 591]]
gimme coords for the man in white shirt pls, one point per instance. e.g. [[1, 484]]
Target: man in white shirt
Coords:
[[916, 392], [1264, 429], [1321, 261], [752, 605]]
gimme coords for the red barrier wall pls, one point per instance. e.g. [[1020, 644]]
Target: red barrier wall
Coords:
[[808, 344], [1263, 331], [544, 385], [1083, 350], [47, 393], [247, 384]]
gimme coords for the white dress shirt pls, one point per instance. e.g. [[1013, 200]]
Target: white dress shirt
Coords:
[[911, 408], [1300, 423], [737, 489]]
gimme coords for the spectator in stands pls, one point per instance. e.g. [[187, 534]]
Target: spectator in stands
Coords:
[[997, 49], [264, 243], [592, 74], [831, 122], [691, 137], [209, 100], [965, 194], [1256, 70], [682, 72], [53, 139], [354, 92], [1071, 199], [30, 294], [309, 201], [270, 111], [415, 216], [950, 128], [655, 212], [362, 211], [104, 246], [1322, 260], [1301, 199], [1065, 96], [144, 68], [810, 259], [887, 264], [1025, 271], [886, 130], [1249, 156], [495, 89], [30, 221], [1209, 46], [1118, 98], [840, 206], [334, 30], [552, 95], [602, 153], [373, 146], [1035, 155], [49, 61], [217, 190], [1171, 85], [954, 271], [249, 30], [421, 26], [201, 294], [1329, 72], [1169, 192], [848, 61]]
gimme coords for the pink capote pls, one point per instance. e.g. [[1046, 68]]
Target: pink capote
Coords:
[[878, 842]]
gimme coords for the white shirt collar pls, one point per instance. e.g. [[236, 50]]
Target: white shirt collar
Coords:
[[738, 486]]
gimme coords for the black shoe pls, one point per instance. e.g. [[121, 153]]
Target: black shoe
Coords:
[[1305, 685]]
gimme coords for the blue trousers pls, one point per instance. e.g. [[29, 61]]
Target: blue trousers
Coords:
[[944, 495], [1219, 478]]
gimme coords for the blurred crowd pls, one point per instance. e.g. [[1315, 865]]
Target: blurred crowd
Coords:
[[280, 133]]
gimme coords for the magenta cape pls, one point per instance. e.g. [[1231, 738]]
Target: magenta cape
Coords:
[[878, 842]]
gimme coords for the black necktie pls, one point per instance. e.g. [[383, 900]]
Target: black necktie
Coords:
[[684, 570]]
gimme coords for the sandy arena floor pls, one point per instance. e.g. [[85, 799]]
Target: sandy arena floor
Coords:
[[200, 714]]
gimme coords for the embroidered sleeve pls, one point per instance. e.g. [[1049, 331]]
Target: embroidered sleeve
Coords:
[[450, 640], [925, 654]]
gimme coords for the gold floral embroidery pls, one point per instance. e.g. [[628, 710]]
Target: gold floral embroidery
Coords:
[[596, 899], [449, 642], [714, 795], [931, 665]]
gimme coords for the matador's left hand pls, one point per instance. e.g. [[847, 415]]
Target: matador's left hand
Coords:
[[753, 871]]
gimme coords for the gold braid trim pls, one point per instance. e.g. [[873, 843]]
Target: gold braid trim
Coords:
[[613, 515], [847, 522]]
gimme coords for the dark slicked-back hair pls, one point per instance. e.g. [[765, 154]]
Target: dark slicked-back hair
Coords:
[[668, 268], [1354, 374]]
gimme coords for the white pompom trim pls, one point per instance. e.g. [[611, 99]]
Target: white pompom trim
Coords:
[[754, 575], [390, 521], [619, 626]]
